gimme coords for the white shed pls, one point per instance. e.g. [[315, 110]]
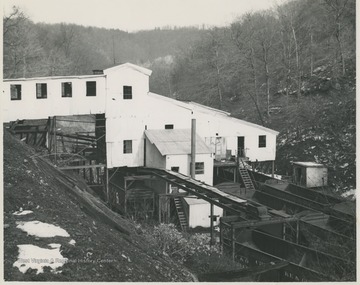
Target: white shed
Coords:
[[310, 174], [171, 149], [198, 212]]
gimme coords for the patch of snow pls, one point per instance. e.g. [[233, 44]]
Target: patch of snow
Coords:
[[72, 242], [34, 257], [39, 229], [54, 245], [276, 176], [22, 213], [349, 193]]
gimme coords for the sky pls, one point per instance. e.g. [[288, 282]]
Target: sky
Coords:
[[134, 15]]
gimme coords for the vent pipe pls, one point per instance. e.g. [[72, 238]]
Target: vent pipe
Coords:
[[193, 149]]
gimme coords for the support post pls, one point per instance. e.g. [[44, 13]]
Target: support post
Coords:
[[221, 237], [233, 243], [272, 168], [107, 185], [284, 231], [297, 231], [211, 224], [145, 148], [54, 140], [193, 147], [159, 209], [125, 197]]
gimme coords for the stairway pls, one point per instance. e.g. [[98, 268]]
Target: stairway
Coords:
[[244, 174], [181, 214]]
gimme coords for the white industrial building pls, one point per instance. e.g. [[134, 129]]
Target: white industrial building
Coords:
[[142, 128]]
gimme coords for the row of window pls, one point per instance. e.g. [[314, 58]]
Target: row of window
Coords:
[[199, 168], [66, 90]]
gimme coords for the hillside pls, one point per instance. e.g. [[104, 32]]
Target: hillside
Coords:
[[95, 249], [291, 68]]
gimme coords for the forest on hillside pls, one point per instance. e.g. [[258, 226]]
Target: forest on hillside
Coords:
[[291, 68]]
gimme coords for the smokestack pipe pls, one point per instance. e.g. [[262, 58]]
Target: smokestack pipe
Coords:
[[193, 148]]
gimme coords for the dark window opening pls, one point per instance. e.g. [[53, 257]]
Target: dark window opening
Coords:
[[15, 92], [169, 127], [127, 146], [214, 219], [127, 90], [199, 168], [66, 89], [41, 90], [262, 141], [175, 168], [90, 88]]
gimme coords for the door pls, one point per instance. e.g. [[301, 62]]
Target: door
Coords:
[[241, 147]]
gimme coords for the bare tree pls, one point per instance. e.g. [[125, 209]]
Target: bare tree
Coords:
[[336, 9]]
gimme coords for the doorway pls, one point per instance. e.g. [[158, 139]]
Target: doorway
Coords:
[[241, 147]]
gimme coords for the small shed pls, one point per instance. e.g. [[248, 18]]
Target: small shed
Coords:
[[171, 149], [198, 212], [310, 174]]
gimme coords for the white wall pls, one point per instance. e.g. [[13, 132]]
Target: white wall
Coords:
[[29, 107], [316, 176], [154, 157], [211, 126], [199, 214]]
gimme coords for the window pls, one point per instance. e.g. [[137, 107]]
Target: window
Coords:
[[199, 168], [262, 141], [169, 127], [41, 90], [127, 90], [66, 89], [127, 146], [15, 92], [90, 88], [175, 168]]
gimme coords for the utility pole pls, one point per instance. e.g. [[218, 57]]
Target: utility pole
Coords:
[[193, 148]]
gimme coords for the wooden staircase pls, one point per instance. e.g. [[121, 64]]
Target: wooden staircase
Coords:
[[245, 177], [181, 214]]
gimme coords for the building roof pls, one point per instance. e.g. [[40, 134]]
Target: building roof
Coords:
[[308, 164], [131, 66], [69, 77], [175, 141], [210, 111], [195, 201]]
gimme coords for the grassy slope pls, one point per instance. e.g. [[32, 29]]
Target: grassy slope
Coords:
[[29, 185]]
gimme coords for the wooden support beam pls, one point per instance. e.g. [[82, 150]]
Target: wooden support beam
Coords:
[[297, 231], [16, 132], [236, 274], [232, 218], [82, 166], [211, 224], [250, 224], [54, 140], [221, 237], [233, 243], [193, 148], [107, 185], [140, 177]]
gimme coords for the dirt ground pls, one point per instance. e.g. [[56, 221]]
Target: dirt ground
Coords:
[[101, 252]]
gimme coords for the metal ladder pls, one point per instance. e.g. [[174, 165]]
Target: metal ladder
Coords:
[[244, 174], [181, 214]]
